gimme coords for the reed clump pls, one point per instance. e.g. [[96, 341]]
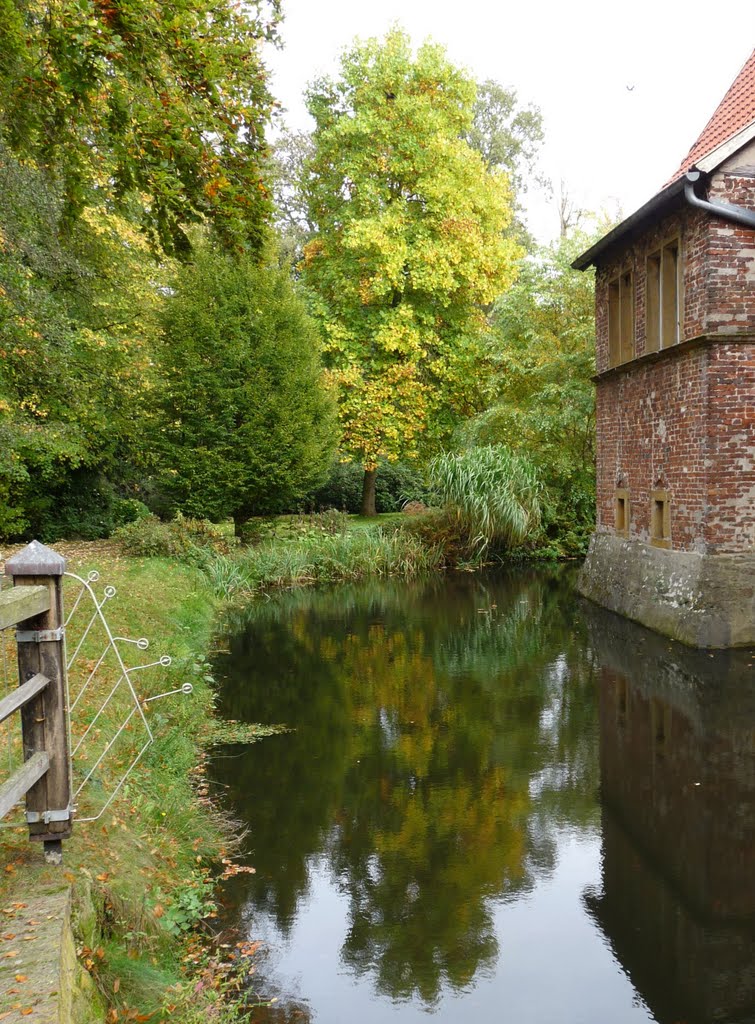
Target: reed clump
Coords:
[[319, 558], [491, 494]]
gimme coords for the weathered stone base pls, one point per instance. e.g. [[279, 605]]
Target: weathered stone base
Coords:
[[701, 600]]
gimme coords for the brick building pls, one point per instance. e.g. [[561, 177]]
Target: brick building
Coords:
[[674, 545]]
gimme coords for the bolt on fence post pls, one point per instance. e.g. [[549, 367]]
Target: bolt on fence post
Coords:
[[44, 720]]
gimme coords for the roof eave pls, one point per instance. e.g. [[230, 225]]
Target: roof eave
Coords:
[[654, 208]]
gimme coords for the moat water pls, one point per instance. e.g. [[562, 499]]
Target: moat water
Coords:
[[496, 802]]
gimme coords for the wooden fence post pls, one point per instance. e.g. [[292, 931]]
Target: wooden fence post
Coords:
[[44, 720]]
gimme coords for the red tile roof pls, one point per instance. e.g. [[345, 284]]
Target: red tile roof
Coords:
[[735, 111]]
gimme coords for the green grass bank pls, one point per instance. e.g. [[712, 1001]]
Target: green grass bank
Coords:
[[143, 876]]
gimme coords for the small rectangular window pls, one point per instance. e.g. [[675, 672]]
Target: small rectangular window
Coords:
[[614, 324], [627, 318], [660, 726], [622, 512], [660, 519], [621, 703]]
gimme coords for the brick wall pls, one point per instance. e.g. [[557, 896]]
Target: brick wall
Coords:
[[730, 521], [684, 421], [692, 228], [653, 435]]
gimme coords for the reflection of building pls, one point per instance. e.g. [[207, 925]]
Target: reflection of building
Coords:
[[677, 759], [674, 545]]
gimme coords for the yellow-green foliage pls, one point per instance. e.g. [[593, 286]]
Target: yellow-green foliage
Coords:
[[410, 241]]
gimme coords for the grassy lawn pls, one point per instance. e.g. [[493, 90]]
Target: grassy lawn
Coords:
[[290, 527]]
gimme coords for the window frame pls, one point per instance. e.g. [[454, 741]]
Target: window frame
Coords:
[[621, 318], [660, 531], [622, 511], [664, 315]]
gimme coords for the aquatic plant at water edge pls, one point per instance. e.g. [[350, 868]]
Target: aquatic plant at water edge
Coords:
[[493, 494], [322, 558]]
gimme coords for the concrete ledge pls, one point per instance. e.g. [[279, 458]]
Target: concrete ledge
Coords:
[[701, 600], [41, 979]]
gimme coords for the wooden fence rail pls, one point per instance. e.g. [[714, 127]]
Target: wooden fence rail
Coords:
[[35, 607]]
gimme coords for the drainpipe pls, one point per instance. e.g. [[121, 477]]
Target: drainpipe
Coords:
[[737, 214]]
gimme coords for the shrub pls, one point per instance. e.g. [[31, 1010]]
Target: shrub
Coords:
[[179, 538], [128, 510], [246, 425], [83, 506]]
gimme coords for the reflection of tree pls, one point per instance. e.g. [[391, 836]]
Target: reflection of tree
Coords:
[[420, 842], [427, 718], [289, 794]]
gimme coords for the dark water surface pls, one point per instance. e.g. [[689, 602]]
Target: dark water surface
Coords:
[[498, 803]]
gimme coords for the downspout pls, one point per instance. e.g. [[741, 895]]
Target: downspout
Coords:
[[728, 211]]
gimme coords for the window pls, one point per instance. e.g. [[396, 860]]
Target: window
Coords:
[[621, 319], [663, 297], [622, 512], [660, 519]]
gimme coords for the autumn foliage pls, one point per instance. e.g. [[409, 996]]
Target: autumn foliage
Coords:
[[409, 243]]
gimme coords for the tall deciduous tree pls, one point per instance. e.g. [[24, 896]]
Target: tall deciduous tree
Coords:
[[288, 168], [410, 243], [77, 321], [505, 134], [247, 426], [164, 105]]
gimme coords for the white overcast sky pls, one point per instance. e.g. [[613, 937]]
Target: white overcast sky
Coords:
[[613, 147]]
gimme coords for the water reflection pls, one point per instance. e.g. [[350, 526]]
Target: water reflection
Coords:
[[677, 757], [429, 836]]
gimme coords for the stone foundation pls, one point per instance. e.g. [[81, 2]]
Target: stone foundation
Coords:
[[701, 600]]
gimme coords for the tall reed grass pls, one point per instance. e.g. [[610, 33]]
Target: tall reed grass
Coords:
[[319, 558], [493, 494]]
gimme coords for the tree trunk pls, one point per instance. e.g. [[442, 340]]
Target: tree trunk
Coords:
[[368, 493]]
